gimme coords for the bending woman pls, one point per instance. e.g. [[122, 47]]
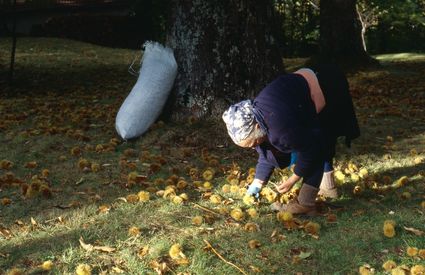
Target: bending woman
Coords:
[[302, 113]]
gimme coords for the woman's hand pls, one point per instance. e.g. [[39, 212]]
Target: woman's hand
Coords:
[[285, 186], [255, 188]]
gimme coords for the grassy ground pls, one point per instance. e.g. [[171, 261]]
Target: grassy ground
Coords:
[[60, 116]]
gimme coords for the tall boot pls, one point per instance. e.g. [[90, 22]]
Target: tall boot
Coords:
[[327, 186], [304, 204]]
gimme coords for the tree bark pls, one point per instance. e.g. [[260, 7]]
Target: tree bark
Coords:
[[341, 33], [363, 26], [225, 51]]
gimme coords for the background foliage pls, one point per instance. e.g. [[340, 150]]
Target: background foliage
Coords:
[[391, 26], [399, 26]]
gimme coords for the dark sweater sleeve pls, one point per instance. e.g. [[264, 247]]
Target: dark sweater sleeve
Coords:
[[307, 144], [264, 168]]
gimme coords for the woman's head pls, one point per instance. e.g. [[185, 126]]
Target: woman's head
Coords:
[[242, 126]]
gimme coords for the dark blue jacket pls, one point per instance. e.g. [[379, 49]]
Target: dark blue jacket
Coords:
[[292, 123]]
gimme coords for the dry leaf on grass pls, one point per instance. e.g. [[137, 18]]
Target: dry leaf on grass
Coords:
[[415, 231], [89, 247], [6, 233], [79, 181], [255, 269], [159, 267], [302, 256], [117, 270]]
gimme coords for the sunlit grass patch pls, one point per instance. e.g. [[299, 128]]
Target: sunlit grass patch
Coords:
[[405, 57], [64, 129]]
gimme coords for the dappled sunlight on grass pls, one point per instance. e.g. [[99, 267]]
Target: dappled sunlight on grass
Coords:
[[57, 137], [405, 57]]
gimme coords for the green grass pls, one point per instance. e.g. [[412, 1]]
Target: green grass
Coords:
[[406, 57], [77, 88]]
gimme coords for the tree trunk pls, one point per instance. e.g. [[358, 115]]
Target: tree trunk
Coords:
[[225, 51], [363, 25], [341, 33]]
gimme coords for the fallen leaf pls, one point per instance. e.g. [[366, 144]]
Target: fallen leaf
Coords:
[[79, 181], [182, 261], [104, 248], [118, 270], [274, 233], [6, 233], [304, 255], [415, 231], [33, 222], [121, 199], [254, 269], [89, 247], [159, 267]]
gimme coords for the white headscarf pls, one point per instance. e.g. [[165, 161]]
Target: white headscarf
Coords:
[[240, 120]]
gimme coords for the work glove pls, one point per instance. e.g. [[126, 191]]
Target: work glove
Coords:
[[254, 189]]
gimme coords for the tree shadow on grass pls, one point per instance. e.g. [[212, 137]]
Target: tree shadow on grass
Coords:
[[92, 79], [24, 252]]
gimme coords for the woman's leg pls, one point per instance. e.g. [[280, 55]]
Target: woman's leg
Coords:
[[327, 185], [315, 178], [328, 167]]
